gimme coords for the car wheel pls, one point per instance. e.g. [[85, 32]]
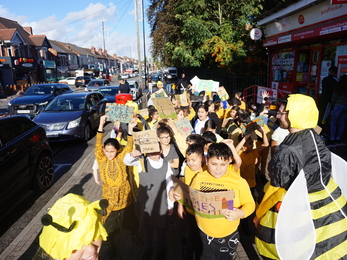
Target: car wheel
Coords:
[[43, 172], [87, 132]]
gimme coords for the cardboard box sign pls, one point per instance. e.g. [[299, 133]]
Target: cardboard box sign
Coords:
[[146, 141], [119, 113], [164, 107], [182, 99], [204, 204], [159, 93]]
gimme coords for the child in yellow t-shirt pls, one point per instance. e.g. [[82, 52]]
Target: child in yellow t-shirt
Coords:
[[219, 236], [194, 166]]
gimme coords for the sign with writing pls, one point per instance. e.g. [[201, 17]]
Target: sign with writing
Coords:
[[182, 99], [184, 127], [159, 93], [164, 107], [272, 94], [208, 85], [119, 113], [143, 112], [223, 94], [206, 205], [146, 141]]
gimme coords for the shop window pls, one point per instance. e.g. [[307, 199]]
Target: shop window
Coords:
[[282, 66]]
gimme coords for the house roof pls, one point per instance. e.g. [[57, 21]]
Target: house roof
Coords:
[[34, 40], [7, 34], [60, 47]]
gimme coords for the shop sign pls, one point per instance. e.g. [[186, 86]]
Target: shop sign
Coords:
[[309, 33], [342, 59], [255, 34], [49, 64], [334, 2], [317, 14], [27, 65]]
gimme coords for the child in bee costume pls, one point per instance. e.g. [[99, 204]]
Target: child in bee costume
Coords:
[[73, 228], [303, 214]]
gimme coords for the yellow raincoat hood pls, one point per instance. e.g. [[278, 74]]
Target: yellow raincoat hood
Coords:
[[64, 212], [303, 112]]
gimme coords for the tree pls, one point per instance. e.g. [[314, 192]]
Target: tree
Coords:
[[209, 33]]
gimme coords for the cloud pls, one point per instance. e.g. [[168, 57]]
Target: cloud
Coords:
[[84, 28]]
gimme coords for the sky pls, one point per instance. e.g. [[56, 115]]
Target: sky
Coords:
[[80, 22]]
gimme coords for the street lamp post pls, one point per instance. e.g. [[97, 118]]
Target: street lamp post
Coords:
[[103, 38]]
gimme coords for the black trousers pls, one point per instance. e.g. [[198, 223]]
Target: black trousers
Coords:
[[219, 248], [121, 219]]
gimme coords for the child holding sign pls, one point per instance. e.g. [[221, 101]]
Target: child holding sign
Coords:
[[219, 236], [155, 183]]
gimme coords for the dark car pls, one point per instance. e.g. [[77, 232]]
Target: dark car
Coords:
[[95, 84], [72, 116], [82, 81], [109, 93], [25, 159], [35, 98]]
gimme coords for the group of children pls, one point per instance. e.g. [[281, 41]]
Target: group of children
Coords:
[[221, 154]]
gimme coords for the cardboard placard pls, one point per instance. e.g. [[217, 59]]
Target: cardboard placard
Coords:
[[182, 99], [119, 113], [159, 93], [206, 205], [223, 94], [146, 141], [204, 85], [144, 112], [184, 127], [164, 107]]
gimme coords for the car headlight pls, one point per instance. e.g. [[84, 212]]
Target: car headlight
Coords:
[[74, 123], [9, 104], [43, 103], [56, 127]]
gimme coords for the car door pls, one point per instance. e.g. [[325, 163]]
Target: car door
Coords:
[[15, 151]]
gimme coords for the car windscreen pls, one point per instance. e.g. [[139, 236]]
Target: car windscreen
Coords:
[[40, 90], [96, 83], [66, 104], [108, 91]]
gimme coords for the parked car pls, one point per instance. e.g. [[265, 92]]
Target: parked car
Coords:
[[109, 93], [125, 76], [135, 89], [95, 84], [155, 77], [35, 98], [72, 116], [69, 80], [82, 81], [25, 160]]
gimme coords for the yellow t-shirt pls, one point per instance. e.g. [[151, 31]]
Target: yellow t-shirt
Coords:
[[220, 113], [247, 168], [221, 227]]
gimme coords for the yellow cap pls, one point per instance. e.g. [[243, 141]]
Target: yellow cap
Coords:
[[64, 212], [303, 111]]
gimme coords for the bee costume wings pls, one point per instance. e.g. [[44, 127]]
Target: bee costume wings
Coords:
[[311, 221]]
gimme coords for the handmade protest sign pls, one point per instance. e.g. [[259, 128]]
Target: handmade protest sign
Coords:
[[146, 141], [164, 107], [119, 113], [182, 99], [223, 94], [159, 93], [207, 85], [184, 127], [143, 112], [204, 204]]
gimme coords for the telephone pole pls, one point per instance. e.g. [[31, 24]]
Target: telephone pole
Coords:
[[138, 43]]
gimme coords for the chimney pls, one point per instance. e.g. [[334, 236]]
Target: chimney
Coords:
[[115, 56], [105, 53], [92, 49], [29, 30], [100, 51]]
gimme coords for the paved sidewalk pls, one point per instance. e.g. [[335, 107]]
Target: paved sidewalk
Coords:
[[25, 246]]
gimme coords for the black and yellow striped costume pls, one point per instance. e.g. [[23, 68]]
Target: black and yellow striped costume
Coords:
[[298, 152]]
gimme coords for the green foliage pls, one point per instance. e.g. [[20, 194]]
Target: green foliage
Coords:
[[202, 32]]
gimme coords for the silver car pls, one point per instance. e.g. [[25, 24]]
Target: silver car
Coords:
[[95, 84]]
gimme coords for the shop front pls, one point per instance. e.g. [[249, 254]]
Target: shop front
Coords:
[[25, 71], [304, 41]]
